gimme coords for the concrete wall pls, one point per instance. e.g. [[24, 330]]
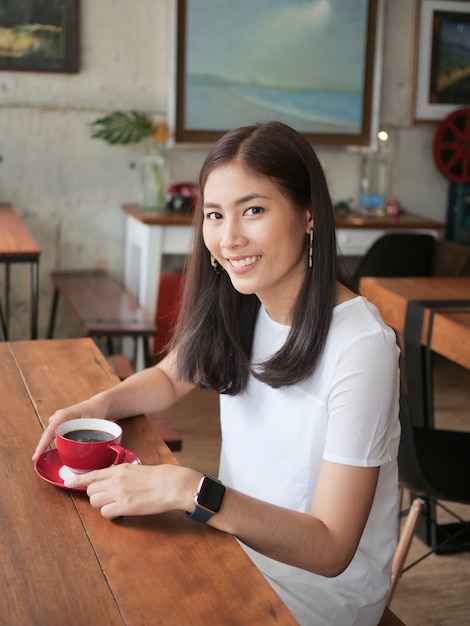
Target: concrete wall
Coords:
[[69, 188]]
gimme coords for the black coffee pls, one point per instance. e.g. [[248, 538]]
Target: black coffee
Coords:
[[88, 435]]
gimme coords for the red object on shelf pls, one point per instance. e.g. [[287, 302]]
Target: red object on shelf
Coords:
[[190, 190]]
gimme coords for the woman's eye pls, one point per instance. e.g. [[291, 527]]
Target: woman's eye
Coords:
[[254, 210], [213, 215]]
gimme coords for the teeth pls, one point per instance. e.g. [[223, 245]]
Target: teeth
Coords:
[[244, 262]]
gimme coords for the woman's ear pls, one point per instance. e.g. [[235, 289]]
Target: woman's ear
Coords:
[[309, 221]]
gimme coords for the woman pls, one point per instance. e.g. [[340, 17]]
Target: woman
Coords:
[[308, 377]]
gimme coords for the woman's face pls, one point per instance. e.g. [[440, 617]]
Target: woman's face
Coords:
[[257, 236]]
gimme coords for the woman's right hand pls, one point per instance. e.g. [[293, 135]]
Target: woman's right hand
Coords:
[[89, 408], [153, 389]]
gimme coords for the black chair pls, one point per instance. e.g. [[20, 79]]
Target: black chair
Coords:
[[434, 465], [3, 324], [398, 254]]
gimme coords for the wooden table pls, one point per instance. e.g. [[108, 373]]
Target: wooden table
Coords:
[[152, 234], [445, 299], [18, 246], [63, 563]]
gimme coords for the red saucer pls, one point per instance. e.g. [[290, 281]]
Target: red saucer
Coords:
[[49, 468]]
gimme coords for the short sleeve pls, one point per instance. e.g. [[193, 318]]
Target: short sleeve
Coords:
[[363, 401]]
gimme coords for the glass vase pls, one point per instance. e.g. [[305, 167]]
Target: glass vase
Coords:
[[377, 174], [374, 185], [154, 177]]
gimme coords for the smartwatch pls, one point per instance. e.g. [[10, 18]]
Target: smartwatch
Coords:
[[208, 499]]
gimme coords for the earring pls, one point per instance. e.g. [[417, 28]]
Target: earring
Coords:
[[215, 264], [310, 249]]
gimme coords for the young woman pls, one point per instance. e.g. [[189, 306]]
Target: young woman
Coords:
[[308, 379]]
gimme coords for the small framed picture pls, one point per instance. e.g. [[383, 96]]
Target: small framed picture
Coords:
[[442, 72], [39, 36]]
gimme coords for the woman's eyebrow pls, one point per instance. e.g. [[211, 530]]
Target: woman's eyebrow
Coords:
[[243, 200], [251, 196]]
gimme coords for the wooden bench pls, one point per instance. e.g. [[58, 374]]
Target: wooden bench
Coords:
[[121, 365], [104, 308], [166, 432]]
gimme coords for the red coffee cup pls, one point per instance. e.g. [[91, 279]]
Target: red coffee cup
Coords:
[[87, 444]]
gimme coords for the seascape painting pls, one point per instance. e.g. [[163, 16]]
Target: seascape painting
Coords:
[[304, 62]]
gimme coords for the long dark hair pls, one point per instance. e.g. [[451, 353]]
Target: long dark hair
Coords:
[[214, 334]]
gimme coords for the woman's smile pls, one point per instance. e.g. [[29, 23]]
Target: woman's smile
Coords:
[[240, 263]]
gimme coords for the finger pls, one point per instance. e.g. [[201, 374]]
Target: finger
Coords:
[[81, 480], [106, 502], [46, 439], [110, 511], [88, 479]]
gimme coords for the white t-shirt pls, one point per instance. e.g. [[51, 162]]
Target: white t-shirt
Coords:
[[274, 440]]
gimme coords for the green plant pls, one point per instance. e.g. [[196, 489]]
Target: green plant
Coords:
[[121, 128]]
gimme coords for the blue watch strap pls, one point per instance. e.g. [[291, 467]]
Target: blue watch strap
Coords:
[[208, 499], [200, 515]]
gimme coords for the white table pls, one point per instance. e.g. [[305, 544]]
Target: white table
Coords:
[[149, 236]]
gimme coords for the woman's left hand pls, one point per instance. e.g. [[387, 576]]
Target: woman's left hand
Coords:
[[129, 489]]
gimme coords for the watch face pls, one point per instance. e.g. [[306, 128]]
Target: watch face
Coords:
[[211, 494]]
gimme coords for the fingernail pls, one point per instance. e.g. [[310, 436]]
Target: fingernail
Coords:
[[69, 483]]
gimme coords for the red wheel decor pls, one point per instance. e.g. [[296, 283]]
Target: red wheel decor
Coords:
[[451, 147]]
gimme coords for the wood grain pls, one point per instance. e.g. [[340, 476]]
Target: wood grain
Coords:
[[451, 326], [138, 570], [101, 305], [15, 239], [48, 568]]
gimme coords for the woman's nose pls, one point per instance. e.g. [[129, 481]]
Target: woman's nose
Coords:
[[232, 235]]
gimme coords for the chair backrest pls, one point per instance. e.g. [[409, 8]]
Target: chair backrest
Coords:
[[410, 473], [399, 254]]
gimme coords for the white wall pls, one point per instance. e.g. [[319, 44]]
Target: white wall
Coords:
[[69, 188]]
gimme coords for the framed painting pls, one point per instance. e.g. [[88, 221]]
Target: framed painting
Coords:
[[309, 63], [39, 35], [442, 72]]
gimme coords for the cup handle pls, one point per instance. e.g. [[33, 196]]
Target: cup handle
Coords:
[[120, 453]]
